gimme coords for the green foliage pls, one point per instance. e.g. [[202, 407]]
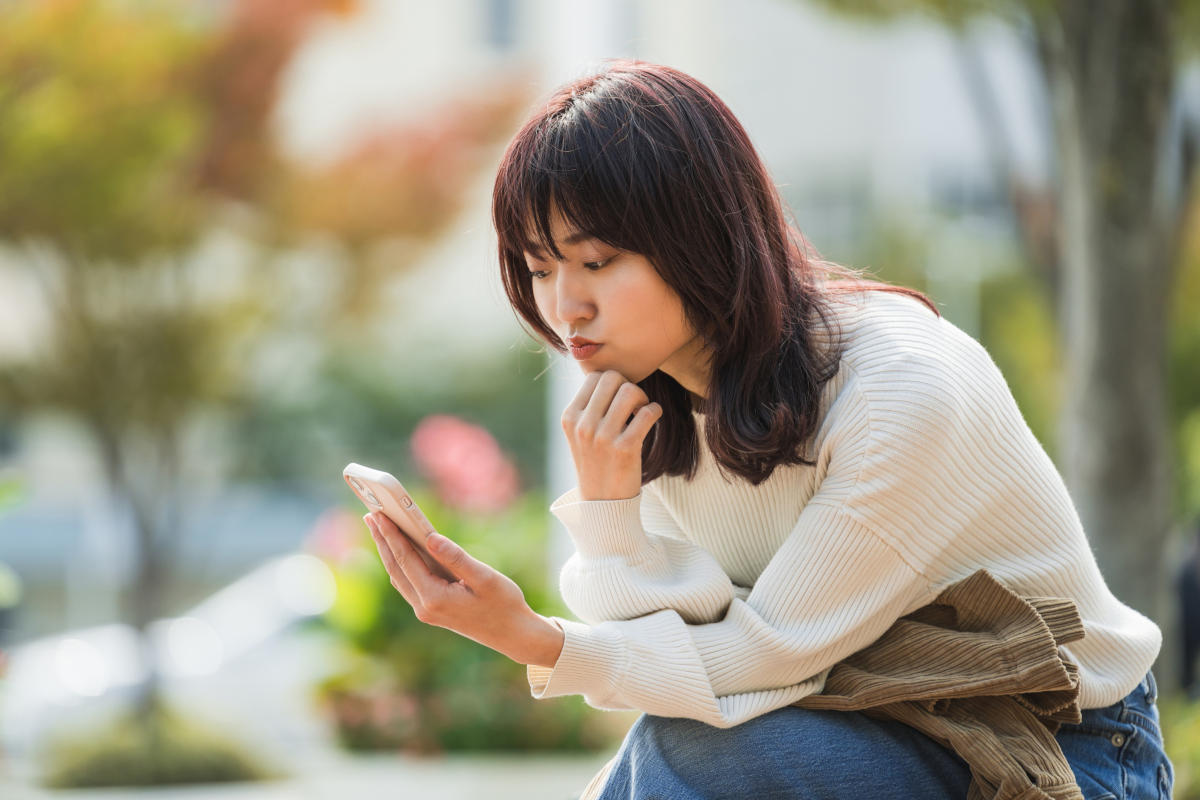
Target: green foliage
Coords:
[[1019, 332], [408, 685], [93, 140], [1184, 378], [1180, 721], [358, 410], [125, 752], [10, 493]]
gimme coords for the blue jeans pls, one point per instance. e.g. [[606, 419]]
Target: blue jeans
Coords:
[[1115, 752]]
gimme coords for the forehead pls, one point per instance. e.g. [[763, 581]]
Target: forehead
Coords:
[[563, 233]]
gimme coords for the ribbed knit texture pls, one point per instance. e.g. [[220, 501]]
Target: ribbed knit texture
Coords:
[[719, 601]]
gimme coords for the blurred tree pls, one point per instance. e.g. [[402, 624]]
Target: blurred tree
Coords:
[[1105, 238], [1185, 377], [127, 133]]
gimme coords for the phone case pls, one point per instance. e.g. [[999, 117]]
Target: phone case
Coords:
[[381, 491]]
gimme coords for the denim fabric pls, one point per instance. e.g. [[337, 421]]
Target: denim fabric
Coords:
[[1116, 752]]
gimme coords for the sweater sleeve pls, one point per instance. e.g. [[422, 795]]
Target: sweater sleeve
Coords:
[[831, 589], [631, 559]]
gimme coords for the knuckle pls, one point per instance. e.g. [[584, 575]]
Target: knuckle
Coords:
[[404, 559], [434, 607]]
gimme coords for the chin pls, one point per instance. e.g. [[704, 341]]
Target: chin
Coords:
[[588, 367]]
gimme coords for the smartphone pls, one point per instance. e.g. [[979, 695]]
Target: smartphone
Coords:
[[380, 491]]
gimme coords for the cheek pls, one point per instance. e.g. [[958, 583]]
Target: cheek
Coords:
[[543, 298], [674, 323]]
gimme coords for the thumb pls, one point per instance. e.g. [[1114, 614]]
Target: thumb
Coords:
[[451, 556]]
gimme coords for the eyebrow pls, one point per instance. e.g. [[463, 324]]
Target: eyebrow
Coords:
[[575, 237]]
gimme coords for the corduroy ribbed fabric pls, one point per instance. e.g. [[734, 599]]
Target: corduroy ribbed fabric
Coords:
[[979, 671], [719, 601]]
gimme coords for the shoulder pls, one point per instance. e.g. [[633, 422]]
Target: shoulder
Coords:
[[891, 340], [914, 368]]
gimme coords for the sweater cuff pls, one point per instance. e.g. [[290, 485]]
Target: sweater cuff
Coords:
[[602, 527], [589, 664]]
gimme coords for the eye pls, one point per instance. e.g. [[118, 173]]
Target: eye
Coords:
[[538, 275], [595, 265]]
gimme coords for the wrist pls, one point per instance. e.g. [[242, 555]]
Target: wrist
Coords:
[[610, 485], [544, 643]]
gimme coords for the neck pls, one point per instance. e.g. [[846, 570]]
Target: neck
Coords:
[[691, 367]]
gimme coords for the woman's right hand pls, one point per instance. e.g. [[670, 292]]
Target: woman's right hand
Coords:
[[605, 444]]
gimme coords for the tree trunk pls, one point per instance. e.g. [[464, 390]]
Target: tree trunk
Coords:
[[1110, 72], [143, 597]]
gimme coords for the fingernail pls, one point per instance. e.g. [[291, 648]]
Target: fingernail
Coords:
[[435, 541]]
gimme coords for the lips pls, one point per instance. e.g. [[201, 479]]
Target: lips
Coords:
[[584, 352], [582, 348]]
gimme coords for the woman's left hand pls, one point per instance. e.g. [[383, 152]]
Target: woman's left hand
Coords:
[[483, 604]]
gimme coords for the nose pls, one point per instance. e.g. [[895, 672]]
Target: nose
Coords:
[[573, 297]]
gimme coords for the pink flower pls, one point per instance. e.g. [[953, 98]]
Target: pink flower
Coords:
[[335, 535], [465, 464]]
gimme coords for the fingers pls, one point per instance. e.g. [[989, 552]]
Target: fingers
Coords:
[[398, 579], [436, 601], [628, 400], [574, 409], [461, 564], [610, 383], [471, 571], [603, 406], [643, 420], [407, 562]]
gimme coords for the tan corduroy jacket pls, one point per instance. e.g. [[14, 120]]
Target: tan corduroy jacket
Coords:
[[980, 671]]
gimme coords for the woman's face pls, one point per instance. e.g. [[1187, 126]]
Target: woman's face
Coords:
[[617, 300]]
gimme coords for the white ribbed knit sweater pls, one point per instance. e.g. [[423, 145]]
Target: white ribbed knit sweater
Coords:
[[719, 601]]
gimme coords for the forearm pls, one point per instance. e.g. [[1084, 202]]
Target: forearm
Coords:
[[541, 644], [621, 571]]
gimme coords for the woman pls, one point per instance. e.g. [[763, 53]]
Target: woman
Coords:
[[776, 460]]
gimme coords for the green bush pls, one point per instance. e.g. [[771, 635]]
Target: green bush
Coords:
[[124, 751], [1181, 735], [410, 686]]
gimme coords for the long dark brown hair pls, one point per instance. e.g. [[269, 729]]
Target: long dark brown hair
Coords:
[[649, 160]]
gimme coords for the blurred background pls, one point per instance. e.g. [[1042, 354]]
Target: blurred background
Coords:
[[244, 242]]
